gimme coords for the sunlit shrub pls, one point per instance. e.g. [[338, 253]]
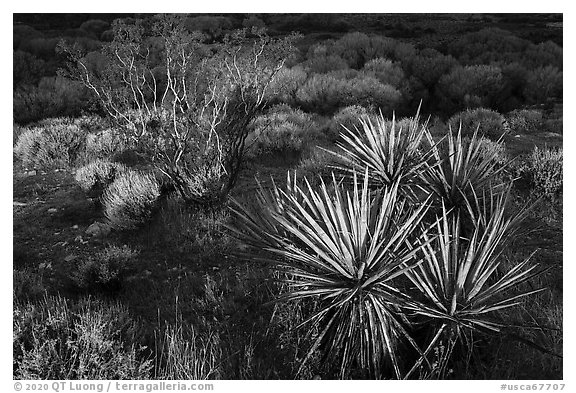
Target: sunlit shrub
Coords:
[[543, 172], [282, 130], [286, 83], [50, 146], [386, 71], [88, 340], [94, 177], [370, 93], [488, 122], [525, 121], [131, 199], [53, 97], [469, 87], [106, 144], [543, 84], [322, 93], [105, 271]]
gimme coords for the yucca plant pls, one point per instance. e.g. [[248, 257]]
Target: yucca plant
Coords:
[[346, 250], [392, 151], [461, 280], [460, 169]]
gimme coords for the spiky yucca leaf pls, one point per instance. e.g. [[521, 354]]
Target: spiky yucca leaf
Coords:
[[346, 250], [460, 169], [461, 281], [392, 153]]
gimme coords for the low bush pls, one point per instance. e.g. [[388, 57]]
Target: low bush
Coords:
[[542, 172], [283, 130], [347, 118], [488, 122], [525, 121], [53, 97], [386, 71], [369, 92], [88, 340], [322, 93], [94, 177], [469, 87], [105, 271], [131, 199], [286, 82], [543, 84], [51, 146], [106, 144]]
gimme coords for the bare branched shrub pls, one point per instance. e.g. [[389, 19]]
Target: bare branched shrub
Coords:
[[188, 104]]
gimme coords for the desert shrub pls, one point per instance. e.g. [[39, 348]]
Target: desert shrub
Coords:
[[105, 271], [358, 48], [253, 21], [492, 151], [282, 130], [286, 83], [525, 121], [215, 26], [320, 61], [487, 46], [488, 122], [318, 163], [198, 145], [469, 87], [346, 118], [44, 48], [27, 284], [106, 144], [322, 94], [53, 97], [542, 171], [386, 71], [369, 92], [28, 144], [88, 340], [94, 177], [544, 54], [28, 69], [95, 27], [51, 146], [429, 66], [130, 200], [543, 84], [23, 33], [312, 22]]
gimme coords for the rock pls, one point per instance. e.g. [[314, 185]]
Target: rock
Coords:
[[70, 258], [98, 229], [18, 204], [31, 173], [75, 227], [52, 210]]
